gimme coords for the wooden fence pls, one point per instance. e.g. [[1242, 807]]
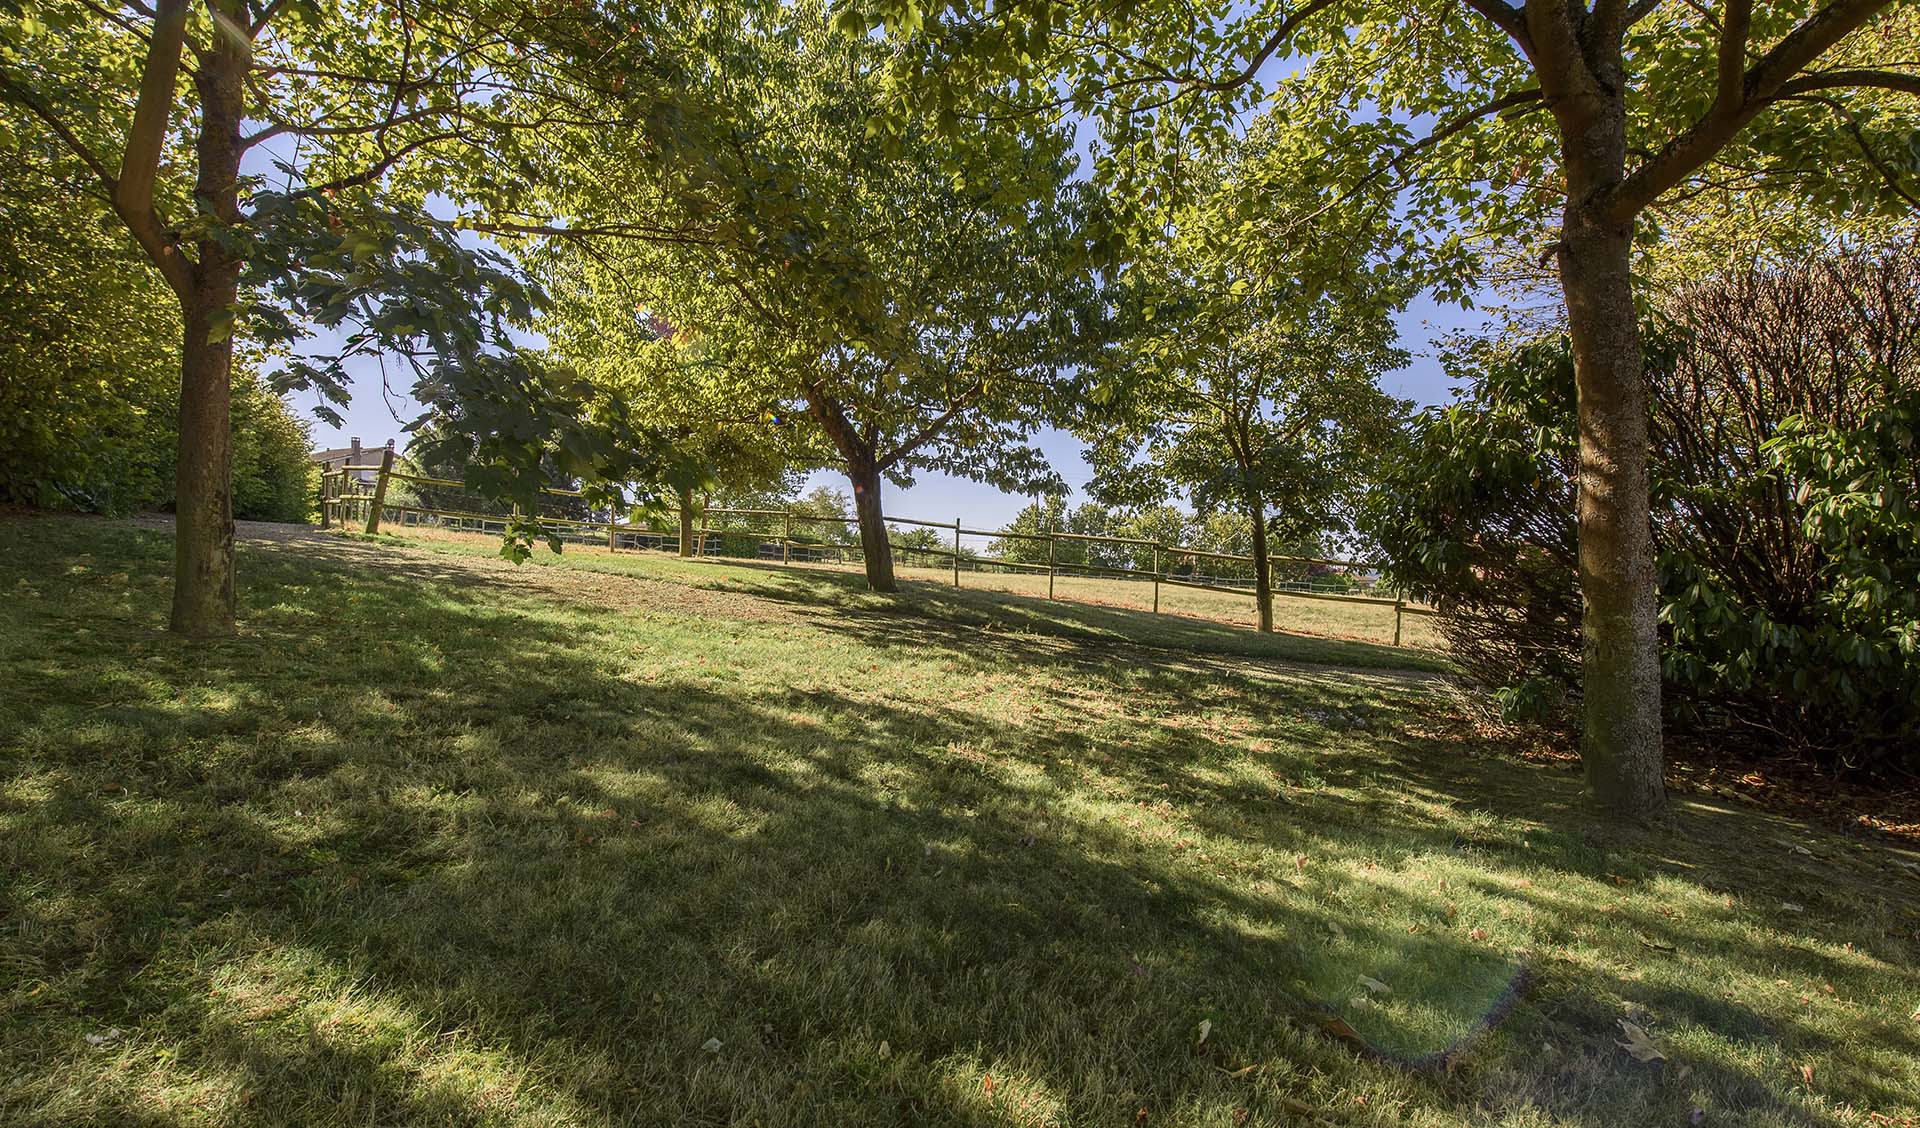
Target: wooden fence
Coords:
[[357, 496]]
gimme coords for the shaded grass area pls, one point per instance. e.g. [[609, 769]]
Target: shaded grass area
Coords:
[[1317, 631], [436, 841]]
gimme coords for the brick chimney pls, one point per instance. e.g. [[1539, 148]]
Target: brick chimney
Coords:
[[354, 458]]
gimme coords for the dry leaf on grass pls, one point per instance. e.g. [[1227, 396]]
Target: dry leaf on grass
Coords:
[[1638, 1044]]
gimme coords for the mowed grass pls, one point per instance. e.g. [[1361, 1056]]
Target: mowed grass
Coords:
[[441, 841], [1313, 630]]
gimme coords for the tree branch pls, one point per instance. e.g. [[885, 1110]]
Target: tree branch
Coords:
[[1849, 79], [67, 136], [919, 438], [1760, 84], [1508, 19], [1733, 55], [1511, 100], [642, 232], [147, 141], [147, 137]]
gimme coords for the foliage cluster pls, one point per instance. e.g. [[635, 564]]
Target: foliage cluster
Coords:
[[1785, 487], [90, 362]]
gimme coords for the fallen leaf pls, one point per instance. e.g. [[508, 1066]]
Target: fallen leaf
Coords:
[[1791, 907], [1806, 1073], [1296, 1107], [1206, 1028], [1637, 1044], [1338, 1028], [110, 1036], [986, 1083], [712, 1045], [886, 1051], [1339, 933], [1374, 985]]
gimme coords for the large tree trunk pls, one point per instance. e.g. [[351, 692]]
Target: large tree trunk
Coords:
[[203, 469], [1620, 680], [874, 546], [686, 522], [203, 481], [863, 470], [1262, 567]]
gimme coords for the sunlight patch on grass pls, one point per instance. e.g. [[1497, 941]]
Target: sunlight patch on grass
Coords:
[[520, 860]]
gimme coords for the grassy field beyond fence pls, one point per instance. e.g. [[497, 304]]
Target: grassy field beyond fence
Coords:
[[1178, 582]]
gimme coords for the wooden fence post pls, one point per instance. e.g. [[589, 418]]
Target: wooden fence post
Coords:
[[380, 491], [700, 542], [1156, 579], [1398, 602], [1050, 564], [786, 536], [611, 547], [325, 520], [956, 552]]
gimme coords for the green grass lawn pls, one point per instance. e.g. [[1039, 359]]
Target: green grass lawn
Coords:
[[1318, 631], [642, 841], [1298, 614]]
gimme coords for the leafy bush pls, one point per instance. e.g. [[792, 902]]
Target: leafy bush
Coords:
[[1786, 405], [90, 366]]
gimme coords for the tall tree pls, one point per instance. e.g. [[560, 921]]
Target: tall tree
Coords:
[[1251, 382], [166, 105], [914, 299], [1645, 100], [731, 431]]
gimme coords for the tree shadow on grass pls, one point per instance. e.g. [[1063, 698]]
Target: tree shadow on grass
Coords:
[[854, 604], [451, 864]]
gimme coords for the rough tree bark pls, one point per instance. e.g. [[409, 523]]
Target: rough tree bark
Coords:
[[686, 521], [203, 601], [1621, 735], [1262, 568], [1620, 639], [864, 471], [874, 546]]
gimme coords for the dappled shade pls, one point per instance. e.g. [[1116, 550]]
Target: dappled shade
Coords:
[[439, 840]]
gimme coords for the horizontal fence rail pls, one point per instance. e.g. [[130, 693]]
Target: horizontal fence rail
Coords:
[[357, 495]]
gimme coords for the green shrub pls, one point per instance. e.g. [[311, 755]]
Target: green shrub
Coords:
[[90, 366], [1786, 406]]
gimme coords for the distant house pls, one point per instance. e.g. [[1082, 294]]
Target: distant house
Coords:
[[354, 455]]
